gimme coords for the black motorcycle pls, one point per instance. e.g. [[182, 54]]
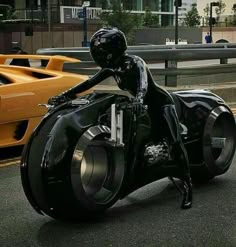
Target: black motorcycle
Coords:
[[88, 153]]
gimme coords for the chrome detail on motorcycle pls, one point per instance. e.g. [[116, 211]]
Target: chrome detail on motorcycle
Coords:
[[218, 142], [219, 139], [48, 106], [116, 125], [184, 130], [80, 101], [157, 153], [92, 167]]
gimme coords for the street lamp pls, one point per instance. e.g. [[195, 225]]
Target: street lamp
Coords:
[[212, 4], [85, 5], [49, 23], [177, 3]]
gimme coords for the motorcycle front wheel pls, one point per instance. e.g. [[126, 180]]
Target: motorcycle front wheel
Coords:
[[75, 174]]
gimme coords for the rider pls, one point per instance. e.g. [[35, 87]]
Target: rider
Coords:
[[108, 49]]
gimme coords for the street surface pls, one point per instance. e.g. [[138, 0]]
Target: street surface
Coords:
[[149, 217]]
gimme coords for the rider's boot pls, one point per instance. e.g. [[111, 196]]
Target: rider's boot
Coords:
[[187, 193], [179, 154], [181, 159]]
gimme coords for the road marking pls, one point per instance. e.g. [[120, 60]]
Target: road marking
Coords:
[[10, 162]]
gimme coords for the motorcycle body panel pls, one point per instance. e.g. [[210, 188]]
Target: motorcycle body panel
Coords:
[[195, 106], [57, 132]]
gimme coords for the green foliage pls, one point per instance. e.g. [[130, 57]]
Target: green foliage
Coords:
[[6, 12], [122, 19], [220, 9], [206, 10], [234, 15], [192, 17], [104, 4], [149, 19]]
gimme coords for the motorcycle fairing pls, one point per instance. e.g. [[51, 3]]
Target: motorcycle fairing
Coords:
[[70, 119], [193, 107]]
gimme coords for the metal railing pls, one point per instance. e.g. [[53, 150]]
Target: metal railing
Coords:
[[170, 55]]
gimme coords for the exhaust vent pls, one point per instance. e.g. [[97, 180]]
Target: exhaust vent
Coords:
[[20, 129]]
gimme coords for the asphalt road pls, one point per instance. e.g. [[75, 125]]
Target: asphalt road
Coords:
[[149, 217]]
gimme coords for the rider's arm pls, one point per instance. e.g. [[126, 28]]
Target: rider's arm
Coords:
[[96, 79], [142, 80]]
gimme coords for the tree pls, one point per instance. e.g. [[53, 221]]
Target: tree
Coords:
[[7, 12], [220, 9], [149, 19], [234, 14], [122, 19], [206, 11], [192, 17]]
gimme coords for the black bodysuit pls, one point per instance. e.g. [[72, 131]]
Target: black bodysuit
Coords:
[[133, 75]]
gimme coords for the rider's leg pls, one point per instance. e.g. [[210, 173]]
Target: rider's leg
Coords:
[[178, 152]]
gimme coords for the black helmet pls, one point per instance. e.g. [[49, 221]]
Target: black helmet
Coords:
[[107, 45]]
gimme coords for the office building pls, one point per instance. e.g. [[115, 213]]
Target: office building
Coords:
[[201, 5], [163, 8]]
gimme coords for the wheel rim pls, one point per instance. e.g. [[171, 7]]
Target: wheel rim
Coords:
[[219, 142], [95, 175]]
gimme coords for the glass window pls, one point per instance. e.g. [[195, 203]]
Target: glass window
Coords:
[[130, 5], [31, 4], [104, 4], [166, 5], [153, 5]]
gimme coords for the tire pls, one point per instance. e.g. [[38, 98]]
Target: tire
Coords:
[[218, 144], [31, 170], [80, 181], [98, 174]]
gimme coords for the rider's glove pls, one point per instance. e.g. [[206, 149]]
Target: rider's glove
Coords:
[[57, 100]]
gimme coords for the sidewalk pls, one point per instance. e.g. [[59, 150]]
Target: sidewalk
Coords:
[[227, 91]]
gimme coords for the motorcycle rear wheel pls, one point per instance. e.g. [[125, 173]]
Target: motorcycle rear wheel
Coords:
[[218, 145]]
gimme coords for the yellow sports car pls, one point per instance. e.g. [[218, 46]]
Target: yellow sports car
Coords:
[[22, 89]]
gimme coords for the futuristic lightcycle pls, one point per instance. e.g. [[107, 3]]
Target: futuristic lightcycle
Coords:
[[89, 152]]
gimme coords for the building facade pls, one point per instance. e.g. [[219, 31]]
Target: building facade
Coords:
[[201, 5], [163, 8], [136, 5]]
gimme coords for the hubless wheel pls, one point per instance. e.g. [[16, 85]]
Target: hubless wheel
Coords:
[[97, 170], [74, 173], [218, 144], [31, 170]]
